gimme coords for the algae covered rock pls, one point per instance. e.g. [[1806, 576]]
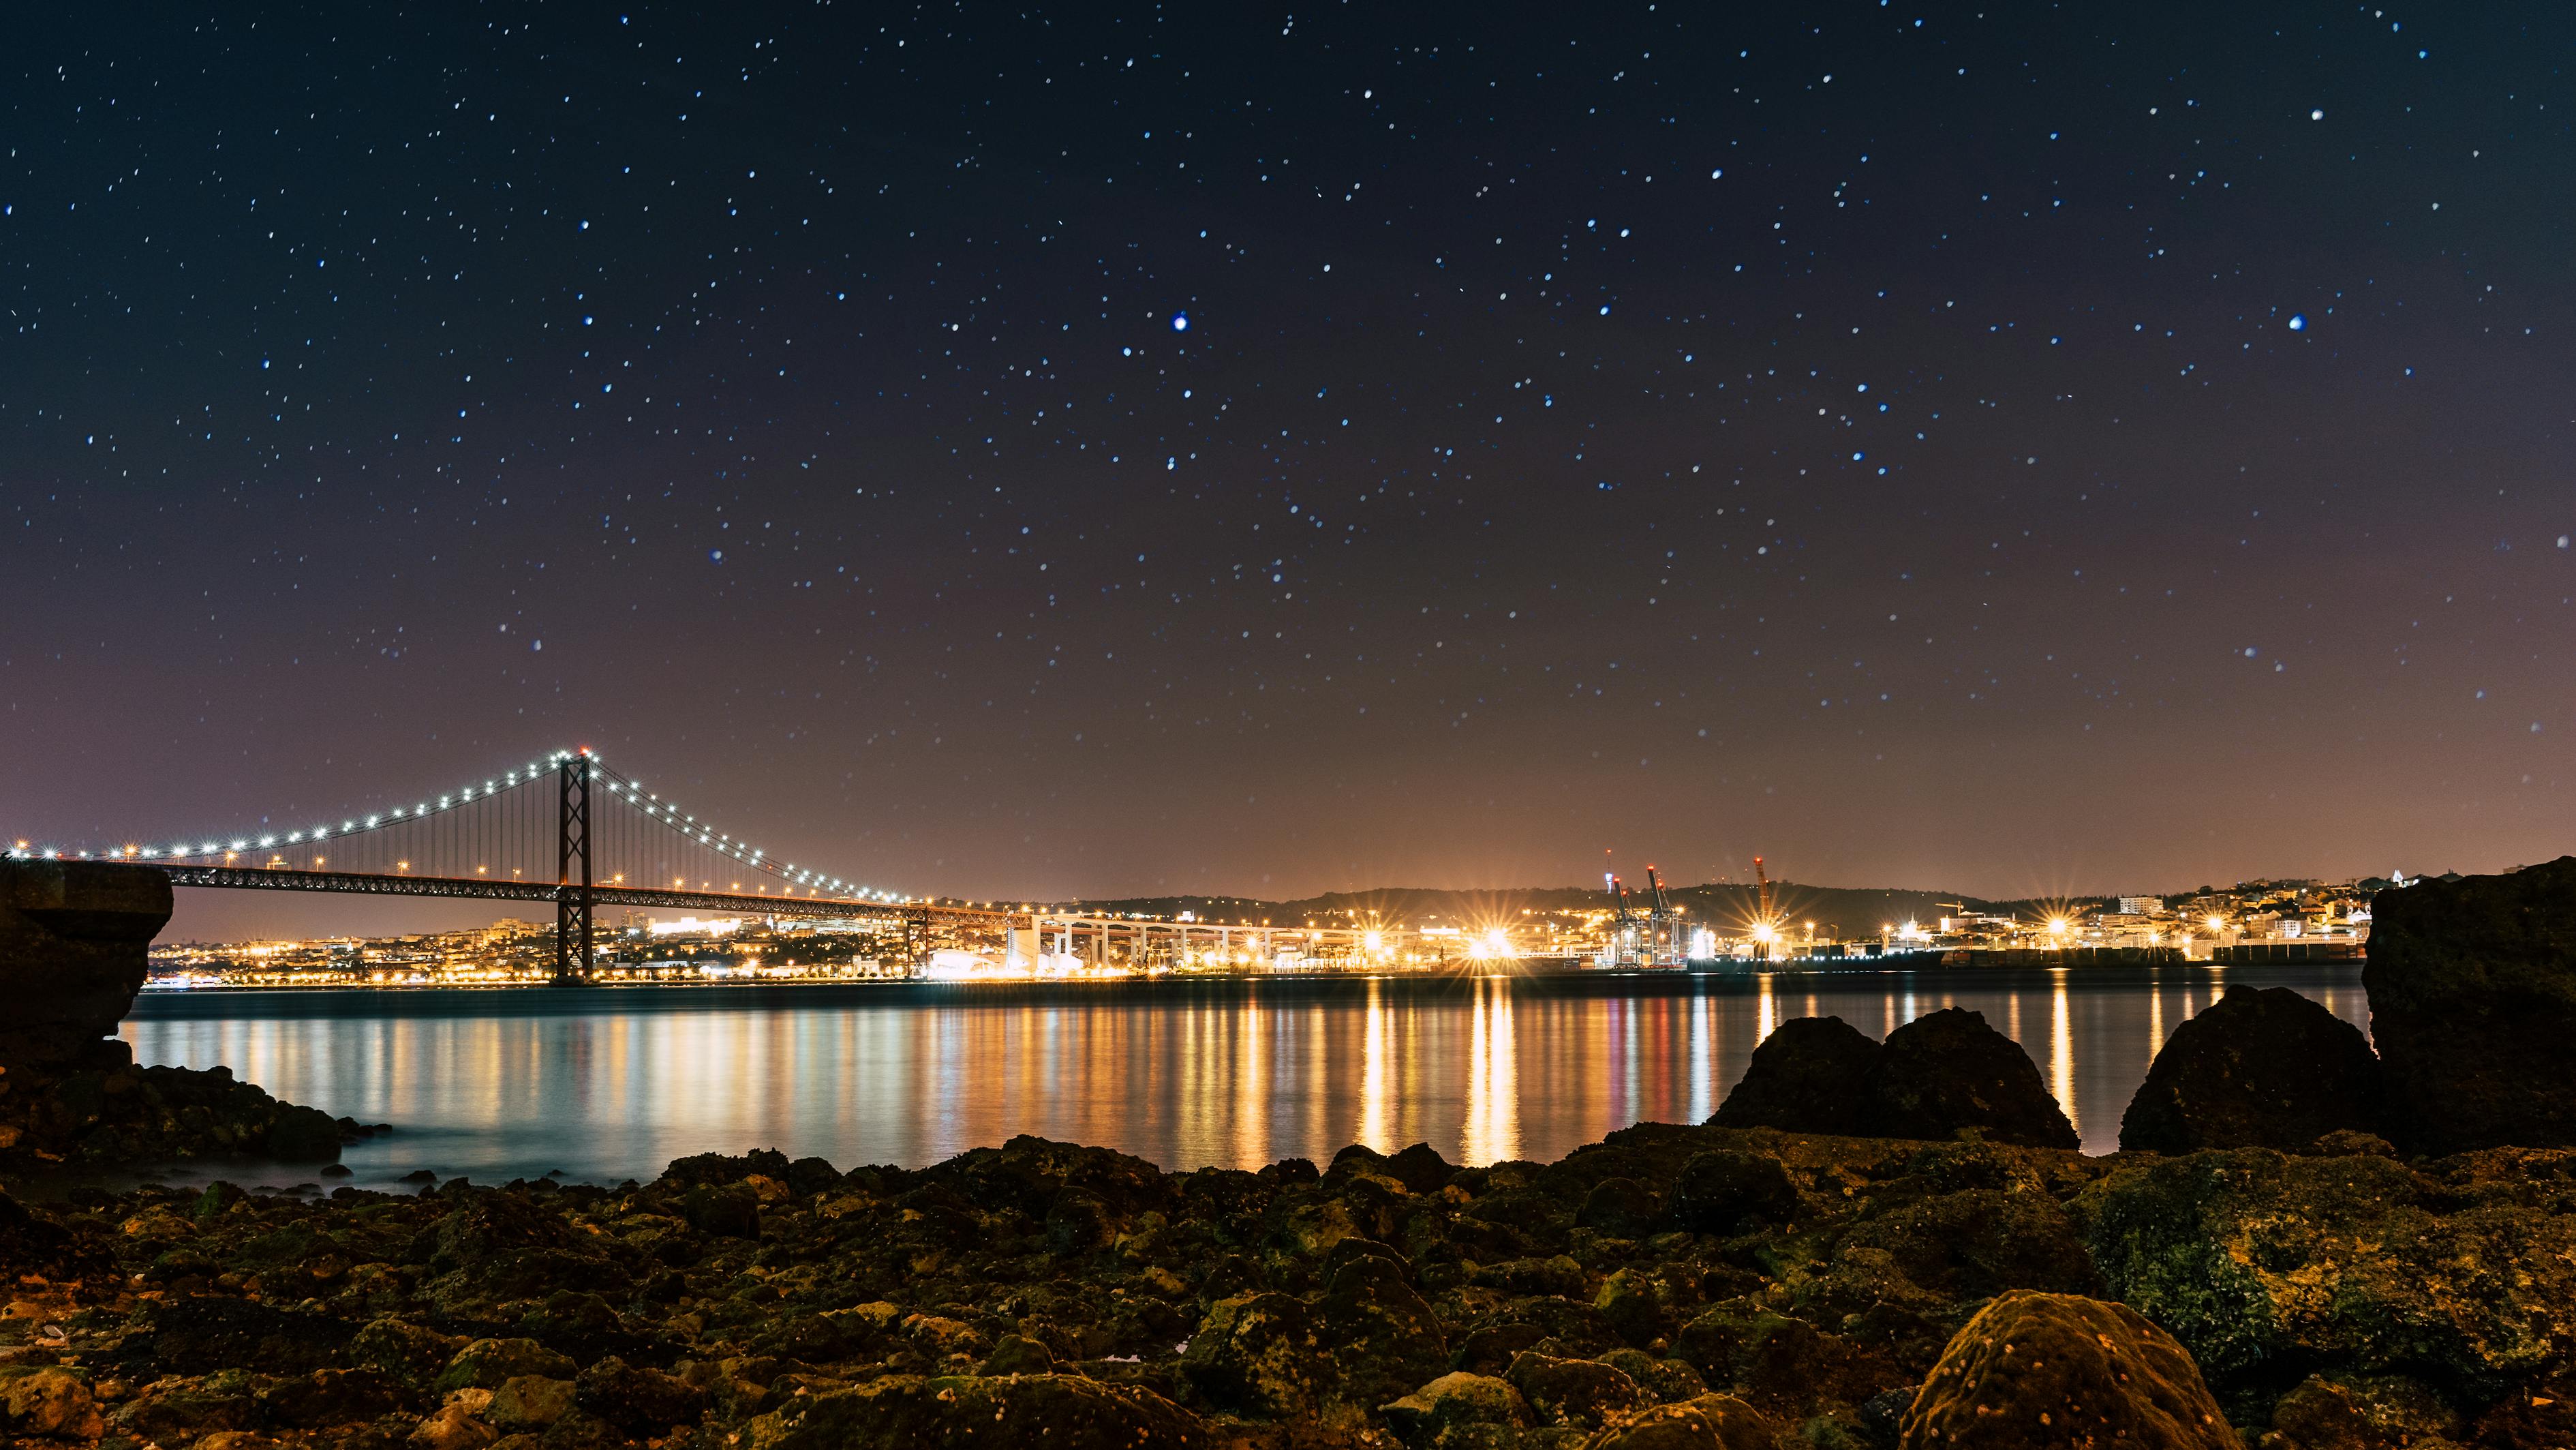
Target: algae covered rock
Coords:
[[1575, 1391], [2039, 1371], [1707, 1422], [1806, 1077], [1259, 1354], [2383, 1412], [1948, 1071], [2472, 989], [2257, 1069], [486, 1363], [966, 1412], [1454, 1399], [2263, 1265], [1384, 1337]]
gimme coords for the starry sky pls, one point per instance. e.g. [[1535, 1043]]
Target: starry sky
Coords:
[[1050, 451]]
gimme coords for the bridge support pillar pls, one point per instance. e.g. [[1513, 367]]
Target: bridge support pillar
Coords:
[[573, 899]]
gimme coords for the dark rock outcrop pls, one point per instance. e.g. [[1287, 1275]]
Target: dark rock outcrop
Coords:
[[2257, 1069], [74, 936], [74, 941], [2041, 1371], [1947, 1072], [2472, 989], [1806, 1077]]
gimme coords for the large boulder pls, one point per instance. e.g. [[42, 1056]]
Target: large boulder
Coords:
[[2041, 1371], [1806, 1077], [1949, 1071], [2473, 1006], [2258, 1069], [74, 936]]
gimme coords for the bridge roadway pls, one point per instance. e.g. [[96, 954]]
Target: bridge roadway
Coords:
[[265, 878]]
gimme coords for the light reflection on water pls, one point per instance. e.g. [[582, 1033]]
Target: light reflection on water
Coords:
[[610, 1083]]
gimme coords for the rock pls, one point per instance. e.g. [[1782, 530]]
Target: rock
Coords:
[[1457, 1398], [1383, 1337], [1575, 1391], [1420, 1169], [195, 1334], [1629, 1302], [1721, 1189], [48, 1402], [640, 1401], [454, 1427], [1558, 1275], [809, 1176], [2255, 1260], [900, 1412], [1806, 1077], [1665, 1380], [1780, 1364], [1078, 1223], [487, 1363], [411, 1354], [1018, 1354], [2049, 1370], [1620, 1207], [1708, 1422], [1942, 1073], [178, 1409], [301, 1135], [530, 1402], [2472, 989], [2257, 1069], [1259, 1354], [330, 1397], [74, 936], [730, 1210], [2382, 1412], [1489, 1350]]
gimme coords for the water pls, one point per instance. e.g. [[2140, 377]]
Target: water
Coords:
[[609, 1083]]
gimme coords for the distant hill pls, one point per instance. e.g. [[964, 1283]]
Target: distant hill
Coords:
[[1852, 911]]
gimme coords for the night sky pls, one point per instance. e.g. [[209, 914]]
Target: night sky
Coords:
[[1047, 451]]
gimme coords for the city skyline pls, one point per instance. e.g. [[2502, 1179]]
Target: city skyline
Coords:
[[1097, 454]]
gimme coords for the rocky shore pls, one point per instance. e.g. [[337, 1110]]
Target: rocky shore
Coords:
[[1874, 1244]]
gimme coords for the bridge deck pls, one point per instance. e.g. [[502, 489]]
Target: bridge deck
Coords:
[[259, 878]]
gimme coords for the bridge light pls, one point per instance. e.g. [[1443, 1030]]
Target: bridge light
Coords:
[[267, 841], [294, 836]]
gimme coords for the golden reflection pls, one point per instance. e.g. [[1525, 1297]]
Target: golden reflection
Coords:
[[1492, 1130], [1770, 1019], [2061, 1049], [1373, 1074], [1703, 1057], [2155, 1019], [1251, 1124]]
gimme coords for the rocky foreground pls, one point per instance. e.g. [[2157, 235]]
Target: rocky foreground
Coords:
[[1674, 1286], [1873, 1244]]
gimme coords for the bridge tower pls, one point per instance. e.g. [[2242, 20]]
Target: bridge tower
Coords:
[[573, 900]]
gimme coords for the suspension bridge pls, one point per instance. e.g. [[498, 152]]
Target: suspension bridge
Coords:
[[565, 829]]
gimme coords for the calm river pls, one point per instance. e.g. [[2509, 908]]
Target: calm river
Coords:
[[609, 1083]]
